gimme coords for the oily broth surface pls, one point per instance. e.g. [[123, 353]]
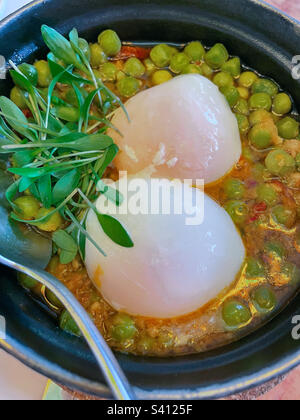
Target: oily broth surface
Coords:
[[204, 329]]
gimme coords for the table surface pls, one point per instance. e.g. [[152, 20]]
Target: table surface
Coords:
[[17, 382]]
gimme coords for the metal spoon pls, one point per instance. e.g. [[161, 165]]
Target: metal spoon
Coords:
[[29, 252]]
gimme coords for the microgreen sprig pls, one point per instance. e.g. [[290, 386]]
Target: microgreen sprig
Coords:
[[62, 163]]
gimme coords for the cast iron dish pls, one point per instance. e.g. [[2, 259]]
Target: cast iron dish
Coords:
[[266, 41]]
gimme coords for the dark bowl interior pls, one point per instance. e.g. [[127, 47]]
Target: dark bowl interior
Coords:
[[265, 40]]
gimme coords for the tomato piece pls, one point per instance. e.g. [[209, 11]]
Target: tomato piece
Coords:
[[128, 51], [260, 207]]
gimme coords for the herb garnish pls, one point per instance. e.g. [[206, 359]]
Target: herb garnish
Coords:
[[61, 160]]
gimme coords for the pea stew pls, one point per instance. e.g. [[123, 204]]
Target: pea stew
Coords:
[[261, 193]]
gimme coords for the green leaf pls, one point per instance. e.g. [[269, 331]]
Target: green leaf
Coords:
[[81, 239], [68, 77], [107, 159], [16, 118], [74, 37], [87, 107], [11, 193], [65, 185], [66, 257], [26, 183], [82, 143], [67, 244], [4, 141], [28, 172], [45, 190], [6, 132], [114, 230], [60, 47], [34, 191], [24, 157], [22, 81], [64, 241], [83, 231]]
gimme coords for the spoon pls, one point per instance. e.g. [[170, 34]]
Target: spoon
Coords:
[[28, 252]]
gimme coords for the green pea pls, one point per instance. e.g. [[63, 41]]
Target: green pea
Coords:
[[242, 107], [259, 116], [67, 324], [233, 67], [17, 96], [84, 46], [53, 264], [44, 73], [30, 72], [192, 69], [223, 79], [120, 75], [178, 62], [243, 123], [98, 56], [52, 223], [234, 189], [217, 56], [247, 152], [266, 193], [206, 70], [161, 76], [71, 97], [238, 211], [195, 51], [254, 268], [288, 128], [145, 344], [280, 163], [128, 86], [235, 313], [275, 249], [149, 66], [265, 86], [108, 72], [284, 215], [231, 94], [264, 299], [28, 206], [134, 67], [292, 272], [244, 92], [53, 300], [161, 55], [26, 281], [260, 172], [67, 113], [123, 327], [260, 101], [110, 42], [260, 137], [282, 104], [247, 79]]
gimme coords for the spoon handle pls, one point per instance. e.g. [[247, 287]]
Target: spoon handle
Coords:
[[107, 362]]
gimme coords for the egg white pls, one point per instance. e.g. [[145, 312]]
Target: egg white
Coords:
[[173, 269], [181, 129]]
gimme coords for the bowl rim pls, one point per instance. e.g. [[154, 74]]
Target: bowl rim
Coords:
[[62, 376]]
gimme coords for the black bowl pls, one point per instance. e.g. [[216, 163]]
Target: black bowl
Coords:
[[266, 40]]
